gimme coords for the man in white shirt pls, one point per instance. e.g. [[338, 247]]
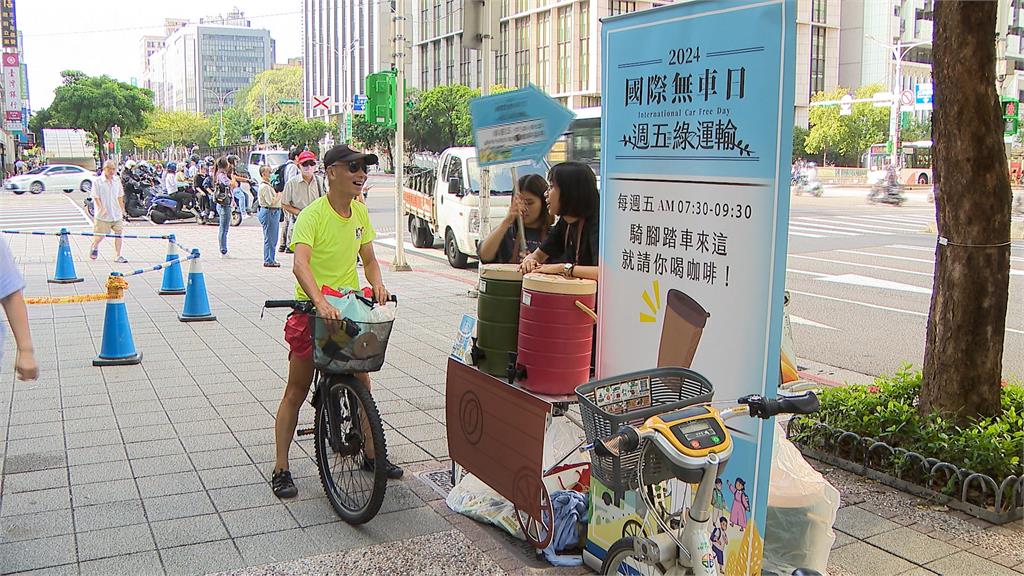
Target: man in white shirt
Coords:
[[108, 199]]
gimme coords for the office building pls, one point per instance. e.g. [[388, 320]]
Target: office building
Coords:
[[871, 27], [343, 41], [817, 52], [201, 66]]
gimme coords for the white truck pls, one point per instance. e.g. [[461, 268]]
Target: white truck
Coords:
[[445, 202]]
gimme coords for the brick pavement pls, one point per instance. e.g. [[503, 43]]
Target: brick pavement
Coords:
[[162, 468]]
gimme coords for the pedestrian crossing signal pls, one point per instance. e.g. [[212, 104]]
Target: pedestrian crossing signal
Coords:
[[1011, 116]]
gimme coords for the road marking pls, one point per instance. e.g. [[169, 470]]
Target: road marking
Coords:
[[861, 221], [932, 250], [867, 281], [1013, 272], [808, 273], [804, 228], [859, 265], [792, 233], [806, 322], [879, 307], [831, 224]]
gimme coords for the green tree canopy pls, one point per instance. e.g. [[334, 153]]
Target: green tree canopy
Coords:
[[96, 103], [281, 84], [237, 125], [373, 136], [440, 118], [165, 129], [846, 137]]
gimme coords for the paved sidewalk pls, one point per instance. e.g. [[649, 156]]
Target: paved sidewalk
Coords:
[[162, 468]]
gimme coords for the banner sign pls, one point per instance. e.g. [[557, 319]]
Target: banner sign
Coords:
[[697, 115], [8, 25], [12, 91]]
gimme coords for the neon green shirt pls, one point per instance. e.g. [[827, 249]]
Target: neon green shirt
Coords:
[[335, 242]]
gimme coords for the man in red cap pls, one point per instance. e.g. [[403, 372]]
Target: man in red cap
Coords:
[[301, 191]]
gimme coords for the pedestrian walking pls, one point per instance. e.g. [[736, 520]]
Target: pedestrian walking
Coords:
[[12, 284], [303, 189], [291, 170], [269, 216], [108, 199], [224, 184]]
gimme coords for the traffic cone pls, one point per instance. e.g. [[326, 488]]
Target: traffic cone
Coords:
[[197, 304], [65, 272], [172, 283], [117, 347]]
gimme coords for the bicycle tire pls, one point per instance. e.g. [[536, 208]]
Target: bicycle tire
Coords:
[[621, 551], [349, 507]]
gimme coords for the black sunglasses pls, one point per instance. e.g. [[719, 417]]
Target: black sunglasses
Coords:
[[353, 166], [309, 163]]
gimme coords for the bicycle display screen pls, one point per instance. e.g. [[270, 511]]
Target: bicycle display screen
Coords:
[[699, 434]]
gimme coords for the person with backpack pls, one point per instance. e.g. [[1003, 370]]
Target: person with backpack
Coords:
[[284, 173], [302, 190]]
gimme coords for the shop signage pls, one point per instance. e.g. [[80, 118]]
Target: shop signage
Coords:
[[696, 127]]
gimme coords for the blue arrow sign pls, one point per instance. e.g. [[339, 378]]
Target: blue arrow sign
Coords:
[[517, 126]]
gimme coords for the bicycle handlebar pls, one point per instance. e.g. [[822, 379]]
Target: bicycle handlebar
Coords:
[[304, 305]]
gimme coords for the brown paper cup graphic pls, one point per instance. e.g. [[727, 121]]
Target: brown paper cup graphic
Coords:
[[681, 330]]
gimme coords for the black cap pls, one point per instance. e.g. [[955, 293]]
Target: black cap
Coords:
[[342, 153]]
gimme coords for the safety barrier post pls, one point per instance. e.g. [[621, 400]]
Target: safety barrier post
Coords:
[[172, 282], [197, 303], [117, 347], [65, 272]]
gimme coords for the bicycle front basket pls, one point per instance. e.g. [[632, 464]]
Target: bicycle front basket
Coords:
[[628, 400], [348, 346]]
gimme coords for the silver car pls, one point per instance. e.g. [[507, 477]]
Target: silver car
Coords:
[[66, 177]]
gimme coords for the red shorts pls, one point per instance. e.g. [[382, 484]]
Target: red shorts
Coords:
[[298, 336]]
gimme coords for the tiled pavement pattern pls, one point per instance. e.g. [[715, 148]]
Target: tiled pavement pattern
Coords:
[[162, 468]]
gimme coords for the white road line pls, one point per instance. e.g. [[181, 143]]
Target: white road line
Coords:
[[1013, 271], [879, 307], [805, 235], [932, 250], [870, 282], [859, 265], [861, 221], [81, 211], [806, 272], [831, 224], [804, 228], [845, 220], [806, 322]]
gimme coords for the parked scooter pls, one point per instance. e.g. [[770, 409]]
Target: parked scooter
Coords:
[[178, 206]]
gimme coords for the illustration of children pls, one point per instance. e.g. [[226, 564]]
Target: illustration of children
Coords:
[[718, 499], [740, 504], [719, 540]]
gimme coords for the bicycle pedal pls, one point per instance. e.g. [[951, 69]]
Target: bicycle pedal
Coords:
[[304, 432]]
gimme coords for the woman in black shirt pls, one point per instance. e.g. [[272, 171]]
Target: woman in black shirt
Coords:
[[503, 244], [571, 248]]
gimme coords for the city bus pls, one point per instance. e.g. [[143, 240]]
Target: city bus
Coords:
[[583, 138], [915, 162]]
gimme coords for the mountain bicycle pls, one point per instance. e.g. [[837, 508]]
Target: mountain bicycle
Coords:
[[346, 420], [658, 426]]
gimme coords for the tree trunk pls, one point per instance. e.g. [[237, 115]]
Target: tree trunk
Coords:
[[967, 319]]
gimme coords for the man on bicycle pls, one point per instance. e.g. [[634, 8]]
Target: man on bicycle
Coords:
[[329, 235]]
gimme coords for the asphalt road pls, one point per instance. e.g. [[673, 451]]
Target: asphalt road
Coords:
[[859, 276]]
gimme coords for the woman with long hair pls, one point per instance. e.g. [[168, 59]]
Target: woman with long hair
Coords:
[[504, 243], [223, 185], [571, 249]]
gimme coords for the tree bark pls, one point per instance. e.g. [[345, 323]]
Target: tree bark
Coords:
[[967, 319]]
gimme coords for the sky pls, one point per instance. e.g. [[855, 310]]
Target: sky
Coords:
[[102, 36]]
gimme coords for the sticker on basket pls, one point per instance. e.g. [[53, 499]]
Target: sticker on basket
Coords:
[[527, 299], [483, 285], [626, 396]]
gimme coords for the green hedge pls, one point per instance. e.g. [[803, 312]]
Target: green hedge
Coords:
[[887, 411]]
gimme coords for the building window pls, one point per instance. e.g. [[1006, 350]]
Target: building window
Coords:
[[522, 52], [817, 60], [450, 54], [437, 64], [819, 11], [464, 66], [564, 50], [623, 7], [449, 15], [424, 66], [522, 6], [424, 20], [438, 17], [584, 59], [501, 60], [543, 50]]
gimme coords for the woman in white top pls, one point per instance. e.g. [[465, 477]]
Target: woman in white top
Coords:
[[269, 216]]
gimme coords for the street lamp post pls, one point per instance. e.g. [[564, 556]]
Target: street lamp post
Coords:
[[346, 104], [898, 50], [220, 99]]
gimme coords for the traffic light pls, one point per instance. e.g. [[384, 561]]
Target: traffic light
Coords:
[[1011, 115], [380, 98]]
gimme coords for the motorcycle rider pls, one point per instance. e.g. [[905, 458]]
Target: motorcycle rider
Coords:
[[170, 184], [244, 184]]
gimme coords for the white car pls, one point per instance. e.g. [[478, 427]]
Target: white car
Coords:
[[66, 177], [258, 158]]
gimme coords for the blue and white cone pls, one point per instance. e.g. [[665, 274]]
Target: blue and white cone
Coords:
[[172, 284], [197, 303], [117, 347], [65, 272]]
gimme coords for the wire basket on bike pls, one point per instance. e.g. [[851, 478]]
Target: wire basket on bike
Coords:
[[630, 399], [347, 346]]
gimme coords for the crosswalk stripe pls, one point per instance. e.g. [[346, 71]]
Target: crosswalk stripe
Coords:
[[830, 224], [804, 234], [805, 228], [893, 227]]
